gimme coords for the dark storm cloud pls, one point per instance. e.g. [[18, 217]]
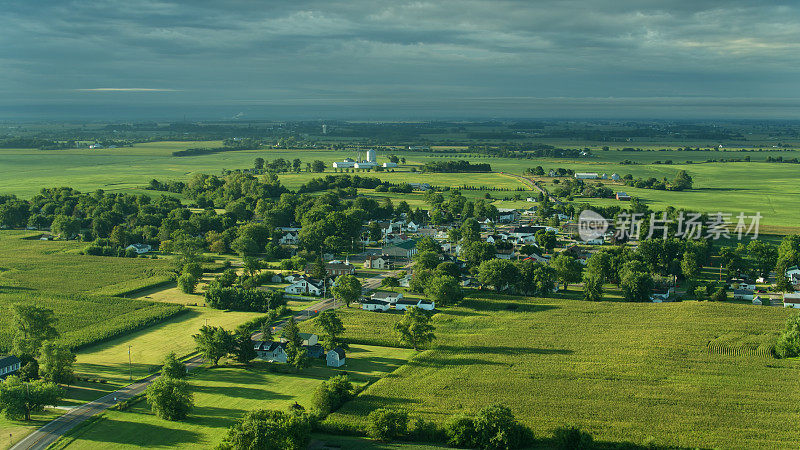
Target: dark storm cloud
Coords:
[[448, 58]]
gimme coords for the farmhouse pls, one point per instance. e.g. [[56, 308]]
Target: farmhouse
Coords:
[[615, 176], [623, 196], [303, 285], [420, 186], [335, 357], [505, 253], [270, 351], [389, 165], [791, 300], [403, 305], [8, 365], [386, 296], [506, 215], [369, 304], [139, 248], [743, 294], [587, 175], [793, 274]]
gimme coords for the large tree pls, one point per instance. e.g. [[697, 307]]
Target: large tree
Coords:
[[19, 399], [33, 325], [297, 356], [444, 290], [347, 289], [415, 328], [170, 398], [568, 269], [243, 350], [173, 367], [500, 273], [213, 343], [331, 326], [55, 363]]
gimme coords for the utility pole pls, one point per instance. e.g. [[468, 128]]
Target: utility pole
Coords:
[[130, 366]]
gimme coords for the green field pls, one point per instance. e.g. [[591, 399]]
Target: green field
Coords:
[[625, 372], [770, 189], [51, 274], [224, 394]]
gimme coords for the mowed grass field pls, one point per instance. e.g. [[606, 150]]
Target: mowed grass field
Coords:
[[625, 372], [224, 394]]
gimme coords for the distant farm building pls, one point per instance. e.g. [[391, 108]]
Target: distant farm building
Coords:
[[623, 196], [587, 176]]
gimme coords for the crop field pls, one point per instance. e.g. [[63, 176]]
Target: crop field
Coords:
[[625, 372], [56, 267], [221, 396]]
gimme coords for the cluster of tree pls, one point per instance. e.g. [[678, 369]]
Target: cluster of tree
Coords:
[[445, 210], [539, 171], [236, 298], [227, 146], [572, 187], [681, 182], [35, 142], [269, 429], [529, 151], [332, 394], [214, 343], [45, 364], [788, 344], [460, 166], [781, 159]]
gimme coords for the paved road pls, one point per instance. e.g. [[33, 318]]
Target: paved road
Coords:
[[52, 431]]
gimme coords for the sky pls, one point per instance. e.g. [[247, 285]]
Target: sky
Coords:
[[399, 60]]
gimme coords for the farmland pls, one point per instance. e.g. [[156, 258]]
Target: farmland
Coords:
[[748, 187], [611, 368]]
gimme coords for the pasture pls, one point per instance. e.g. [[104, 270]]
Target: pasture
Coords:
[[222, 395], [625, 372]]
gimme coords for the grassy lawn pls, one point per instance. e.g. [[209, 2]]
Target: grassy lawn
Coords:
[[11, 431], [109, 360], [223, 394], [624, 372]]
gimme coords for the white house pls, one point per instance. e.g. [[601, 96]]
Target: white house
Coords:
[[757, 300], [403, 305], [615, 176], [791, 300], [304, 285], [389, 165], [661, 295], [505, 253], [139, 248], [386, 296], [793, 273], [428, 306], [587, 175], [405, 281], [335, 357], [743, 294], [370, 304], [507, 215], [412, 227], [376, 262], [8, 365], [270, 351]]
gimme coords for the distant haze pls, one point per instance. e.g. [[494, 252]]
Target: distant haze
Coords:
[[385, 60]]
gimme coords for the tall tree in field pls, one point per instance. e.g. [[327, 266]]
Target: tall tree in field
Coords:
[[173, 367], [19, 399], [170, 398], [347, 289], [415, 328], [764, 255], [33, 325], [55, 363], [213, 343], [500, 273], [332, 327], [65, 226], [243, 350], [690, 268], [296, 354], [594, 278]]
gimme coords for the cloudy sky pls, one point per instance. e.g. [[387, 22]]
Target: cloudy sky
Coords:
[[371, 59]]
